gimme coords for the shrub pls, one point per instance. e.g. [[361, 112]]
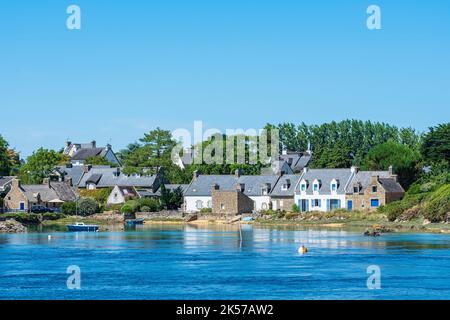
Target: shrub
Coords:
[[295, 208], [1, 202], [127, 209], [152, 205], [23, 217], [206, 210], [87, 206], [438, 205], [69, 208], [100, 195], [52, 216]]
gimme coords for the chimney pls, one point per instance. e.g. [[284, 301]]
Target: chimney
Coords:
[[87, 168], [68, 143], [240, 187], [15, 184], [215, 187], [196, 174], [354, 169], [108, 147], [305, 169], [117, 172], [375, 179], [391, 170], [46, 182], [94, 144], [237, 173]]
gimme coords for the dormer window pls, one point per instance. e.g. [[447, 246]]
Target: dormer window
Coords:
[[355, 189], [333, 187], [303, 187], [374, 189], [284, 187], [316, 187]]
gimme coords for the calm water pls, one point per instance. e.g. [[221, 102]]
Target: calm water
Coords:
[[211, 262]]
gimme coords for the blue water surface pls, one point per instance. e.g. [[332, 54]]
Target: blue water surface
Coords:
[[224, 262]]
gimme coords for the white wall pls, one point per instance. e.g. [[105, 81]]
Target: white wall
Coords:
[[116, 197], [259, 201], [191, 203], [323, 200]]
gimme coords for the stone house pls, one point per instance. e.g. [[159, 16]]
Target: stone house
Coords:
[[371, 189], [198, 195], [51, 194], [230, 202]]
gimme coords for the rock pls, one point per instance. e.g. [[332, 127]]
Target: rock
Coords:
[[426, 222], [12, 226], [190, 218]]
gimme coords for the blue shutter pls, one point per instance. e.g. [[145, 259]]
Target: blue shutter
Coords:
[[320, 203], [328, 204], [339, 203]]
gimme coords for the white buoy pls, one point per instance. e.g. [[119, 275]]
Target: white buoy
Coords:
[[302, 250], [49, 237]]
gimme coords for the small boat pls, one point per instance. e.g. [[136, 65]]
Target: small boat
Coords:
[[133, 222], [80, 226]]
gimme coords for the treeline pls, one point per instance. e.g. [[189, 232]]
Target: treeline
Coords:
[[369, 145]]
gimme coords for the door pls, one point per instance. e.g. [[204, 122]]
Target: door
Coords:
[[374, 203], [349, 205], [22, 206], [304, 205]]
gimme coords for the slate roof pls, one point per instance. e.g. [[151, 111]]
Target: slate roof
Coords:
[[149, 192], [326, 176], [64, 191], [364, 177], [390, 185], [296, 160], [202, 185], [74, 172], [293, 178], [56, 191], [5, 180], [105, 177], [85, 153]]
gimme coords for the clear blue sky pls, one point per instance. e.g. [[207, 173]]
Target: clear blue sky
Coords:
[[136, 65]]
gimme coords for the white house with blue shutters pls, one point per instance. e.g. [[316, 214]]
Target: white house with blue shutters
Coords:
[[323, 189]]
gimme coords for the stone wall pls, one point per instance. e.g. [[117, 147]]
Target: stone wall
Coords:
[[167, 214], [231, 202], [14, 197], [283, 203]]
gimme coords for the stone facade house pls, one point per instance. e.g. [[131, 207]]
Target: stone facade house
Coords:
[[371, 189], [230, 202], [51, 194], [351, 189], [258, 188]]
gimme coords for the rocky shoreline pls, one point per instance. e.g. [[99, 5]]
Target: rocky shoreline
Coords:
[[12, 226]]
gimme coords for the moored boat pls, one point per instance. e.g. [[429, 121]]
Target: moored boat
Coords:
[[80, 226], [133, 222]]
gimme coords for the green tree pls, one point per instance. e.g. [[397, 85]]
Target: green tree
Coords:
[[5, 159], [406, 161], [436, 144], [40, 165]]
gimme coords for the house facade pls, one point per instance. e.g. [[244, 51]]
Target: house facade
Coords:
[[79, 152], [51, 194], [230, 202], [283, 194], [322, 189], [350, 189], [198, 195]]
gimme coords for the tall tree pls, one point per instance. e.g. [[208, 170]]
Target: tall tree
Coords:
[[436, 144], [406, 161], [5, 159], [40, 165]]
